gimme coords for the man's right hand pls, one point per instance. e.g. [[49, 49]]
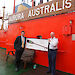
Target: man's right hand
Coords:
[[49, 40]]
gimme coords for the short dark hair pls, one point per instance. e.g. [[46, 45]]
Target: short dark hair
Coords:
[[22, 31]]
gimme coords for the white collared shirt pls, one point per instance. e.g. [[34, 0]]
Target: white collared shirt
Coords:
[[53, 43]]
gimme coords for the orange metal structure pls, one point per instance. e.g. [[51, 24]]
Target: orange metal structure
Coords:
[[14, 7]]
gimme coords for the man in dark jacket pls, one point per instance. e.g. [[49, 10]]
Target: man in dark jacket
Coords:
[[19, 46]]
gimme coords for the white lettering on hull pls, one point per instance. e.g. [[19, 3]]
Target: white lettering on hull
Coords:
[[66, 4]]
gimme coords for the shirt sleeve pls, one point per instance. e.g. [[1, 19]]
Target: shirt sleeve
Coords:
[[16, 42]]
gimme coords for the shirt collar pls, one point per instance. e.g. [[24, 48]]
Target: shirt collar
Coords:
[[53, 38], [21, 36]]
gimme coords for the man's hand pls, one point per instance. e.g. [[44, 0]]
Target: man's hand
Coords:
[[49, 40], [25, 48], [55, 46]]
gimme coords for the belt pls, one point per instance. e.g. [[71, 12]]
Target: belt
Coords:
[[52, 49]]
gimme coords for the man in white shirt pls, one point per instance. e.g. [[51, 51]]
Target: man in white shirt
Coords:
[[52, 50]]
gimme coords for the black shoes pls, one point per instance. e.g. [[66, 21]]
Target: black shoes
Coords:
[[48, 72]]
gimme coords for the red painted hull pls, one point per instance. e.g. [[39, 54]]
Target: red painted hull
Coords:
[[43, 26]]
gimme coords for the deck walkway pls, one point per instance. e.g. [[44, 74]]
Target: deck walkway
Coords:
[[8, 68]]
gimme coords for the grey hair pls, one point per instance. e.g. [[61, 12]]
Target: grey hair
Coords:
[[52, 33]]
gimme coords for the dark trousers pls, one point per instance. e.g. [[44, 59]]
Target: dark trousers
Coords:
[[52, 61], [18, 57]]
